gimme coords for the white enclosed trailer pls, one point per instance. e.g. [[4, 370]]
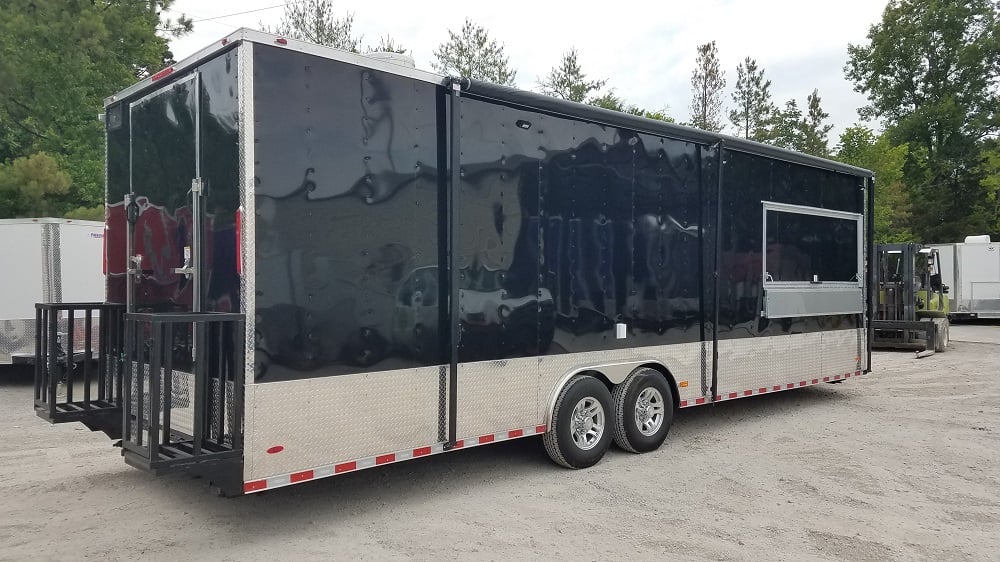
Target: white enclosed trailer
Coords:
[[971, 270], [44, 260]]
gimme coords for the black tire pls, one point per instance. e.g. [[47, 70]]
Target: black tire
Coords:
[[559, 439], [628, 432]]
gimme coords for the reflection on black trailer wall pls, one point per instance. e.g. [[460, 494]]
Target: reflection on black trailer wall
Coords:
[[577, 226], [347, 217]]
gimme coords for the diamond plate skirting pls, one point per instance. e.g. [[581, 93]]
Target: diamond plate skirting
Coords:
[[753, 363], [320, 421]]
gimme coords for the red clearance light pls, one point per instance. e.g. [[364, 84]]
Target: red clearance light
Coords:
[[163, 73], [225, 41], [281, 41]]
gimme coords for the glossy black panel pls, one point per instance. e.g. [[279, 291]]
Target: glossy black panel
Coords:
[[582, 226], [747, 181], [220, 161], [347, 218], [163, 165]]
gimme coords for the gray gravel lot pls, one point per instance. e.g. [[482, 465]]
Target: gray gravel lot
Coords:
[[902, 464]]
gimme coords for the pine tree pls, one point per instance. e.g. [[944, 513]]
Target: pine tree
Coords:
[[754, 110], [707, 83], [814, 132], [567, 81], [471, 53]]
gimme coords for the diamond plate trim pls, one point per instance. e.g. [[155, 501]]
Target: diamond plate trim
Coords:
[[16, 336], [244, 77], [383, 459], [749, 365]]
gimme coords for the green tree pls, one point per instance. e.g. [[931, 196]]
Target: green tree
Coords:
[[859, 146], [30, 186], [786, 127], [568, 81], [316, 21], [754, 110], [473, 54], [930, 70], [814, 128], [707, 83], [58, 60], [387, 44], [609, 100]]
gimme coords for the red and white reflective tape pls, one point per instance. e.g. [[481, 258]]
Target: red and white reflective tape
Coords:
[[765, 390], [388, 458]]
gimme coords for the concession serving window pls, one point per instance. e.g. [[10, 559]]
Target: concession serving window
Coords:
[[813, 261]]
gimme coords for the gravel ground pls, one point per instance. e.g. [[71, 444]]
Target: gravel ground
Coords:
[[902, 464]]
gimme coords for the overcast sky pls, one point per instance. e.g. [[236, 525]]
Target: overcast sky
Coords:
[[646, 50]]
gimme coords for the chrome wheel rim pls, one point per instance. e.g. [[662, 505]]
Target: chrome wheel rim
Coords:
[[649, 410], [587, 423]]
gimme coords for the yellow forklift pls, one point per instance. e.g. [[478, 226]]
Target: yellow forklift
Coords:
[[912, 311]]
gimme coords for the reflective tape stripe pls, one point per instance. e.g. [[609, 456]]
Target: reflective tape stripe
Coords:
[[387, 458], [766, 390]]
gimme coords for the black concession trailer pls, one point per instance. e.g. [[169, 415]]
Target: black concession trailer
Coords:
[[319, 262]]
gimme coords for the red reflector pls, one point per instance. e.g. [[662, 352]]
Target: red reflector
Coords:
[[301, 476], [391, 457], [539, 429], [459, 444], [345, 467], [486, 439], [422, 451], [275, 449], [281, 41], [254, 486], [515, 433], [163, 73], [239, 240]]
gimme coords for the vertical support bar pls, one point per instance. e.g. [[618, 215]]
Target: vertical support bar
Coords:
[[126, 400], [455, 166], [873, 266], [199, 401], [141, 364], [716, 275], [239, 387], [53, 329], [155, 364], [70, 355], [39, 351], [121, 354], [218, 329], [168, 379], [88, 355]]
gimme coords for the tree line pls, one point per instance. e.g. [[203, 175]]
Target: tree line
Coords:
[[929, 70]]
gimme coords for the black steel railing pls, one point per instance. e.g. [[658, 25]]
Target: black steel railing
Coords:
[[78, 360], [183, 381]]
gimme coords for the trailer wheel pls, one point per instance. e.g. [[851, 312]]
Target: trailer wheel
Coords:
[[644, 410], [580, 431]]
